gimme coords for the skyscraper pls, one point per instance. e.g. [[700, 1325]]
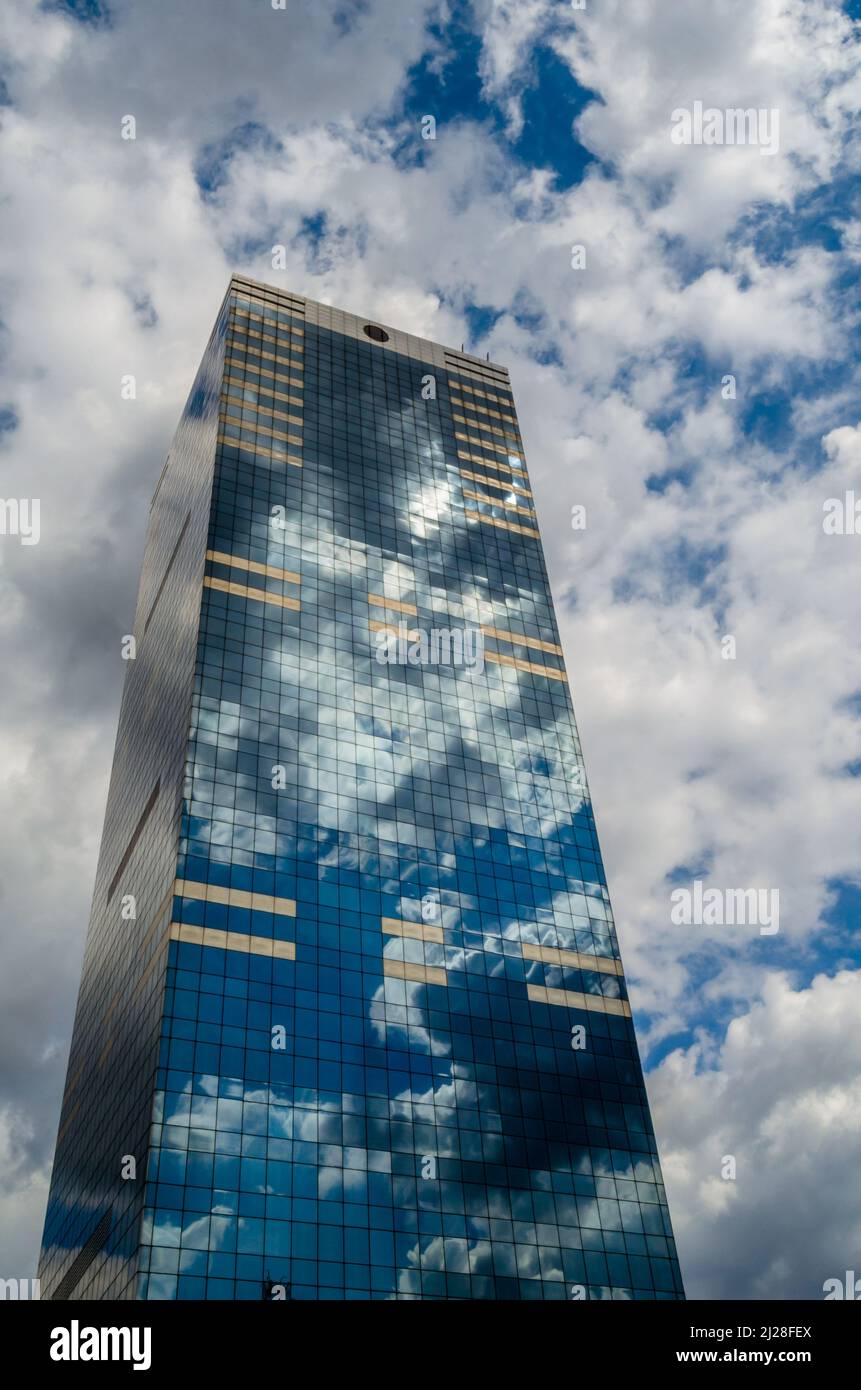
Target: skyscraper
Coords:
[[352, 1020]]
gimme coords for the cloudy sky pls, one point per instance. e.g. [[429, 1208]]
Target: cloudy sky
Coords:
[[301, 127]]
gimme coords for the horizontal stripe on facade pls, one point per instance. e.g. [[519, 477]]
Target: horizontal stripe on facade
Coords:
[[463, 404], [503, 484], [232, 941], [498, 634], [394, 604], [473, 423], [240, 349], [259, 450], [473, 374], [255, 309], [517, 639], [241, 325], [233, 897], [244, 296], [485, 395], [233, 360], [410, 635], [571, 999], [233, 401], [417, 931], [488, 444], [227, 586], [411, 970], [503, 525], [520, 665], [495, 464], [221, 557], [575, 960], [497, 502], [253, 434], [277, 395]]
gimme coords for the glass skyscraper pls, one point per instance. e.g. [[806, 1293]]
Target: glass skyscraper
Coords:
[[352, 1020]]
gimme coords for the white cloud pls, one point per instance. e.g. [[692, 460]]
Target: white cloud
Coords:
[[509, 31], [648, 59], [783, 1097]]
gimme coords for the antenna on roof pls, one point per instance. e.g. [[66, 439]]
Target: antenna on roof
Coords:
[[461, 347]]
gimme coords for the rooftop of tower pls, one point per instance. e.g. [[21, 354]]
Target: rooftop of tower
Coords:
[[356, 326]]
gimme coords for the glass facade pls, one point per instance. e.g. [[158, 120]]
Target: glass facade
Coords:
[[395, 1055]]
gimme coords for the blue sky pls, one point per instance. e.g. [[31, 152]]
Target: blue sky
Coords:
[[704, 513]]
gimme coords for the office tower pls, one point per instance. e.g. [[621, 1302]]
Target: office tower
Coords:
[[352, 1022]]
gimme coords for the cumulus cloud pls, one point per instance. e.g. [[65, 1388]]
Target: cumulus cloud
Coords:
[[781, 1096], [648, 60]]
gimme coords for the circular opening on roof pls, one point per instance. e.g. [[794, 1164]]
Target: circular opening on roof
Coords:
[[379, 335]]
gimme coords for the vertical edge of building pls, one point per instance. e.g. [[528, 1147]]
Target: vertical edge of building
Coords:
[[90, 1241]]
